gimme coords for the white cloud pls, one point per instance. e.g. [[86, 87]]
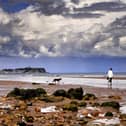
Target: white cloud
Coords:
[[4, 39], [56, 35], [4, 17], [124, 1], [122, 42]]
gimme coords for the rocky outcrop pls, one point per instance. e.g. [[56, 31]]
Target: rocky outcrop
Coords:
[[23, 70]]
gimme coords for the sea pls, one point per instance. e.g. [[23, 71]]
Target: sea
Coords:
[[89, 79]]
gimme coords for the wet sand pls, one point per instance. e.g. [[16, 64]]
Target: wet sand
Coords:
[[7, 86]]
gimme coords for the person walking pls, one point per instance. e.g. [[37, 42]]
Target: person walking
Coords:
[[110, 77]]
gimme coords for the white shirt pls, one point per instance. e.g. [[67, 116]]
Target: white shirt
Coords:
[[110, 74]]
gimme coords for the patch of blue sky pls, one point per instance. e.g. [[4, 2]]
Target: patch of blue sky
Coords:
[[14, 7]]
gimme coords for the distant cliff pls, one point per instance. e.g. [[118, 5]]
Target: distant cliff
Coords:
[[28, 70]]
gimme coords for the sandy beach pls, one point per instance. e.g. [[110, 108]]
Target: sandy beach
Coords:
[[31, 108], [7, 86]]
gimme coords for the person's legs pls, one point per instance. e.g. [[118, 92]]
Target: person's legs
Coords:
[[108, 83], [110, 80]]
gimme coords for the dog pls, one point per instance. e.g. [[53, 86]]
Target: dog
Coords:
[[57, 80]]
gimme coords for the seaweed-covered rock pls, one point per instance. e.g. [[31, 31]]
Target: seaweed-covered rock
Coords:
[[26, 93], [15, 92], [21, 124], [89, 96], [115, 97], [74, 102], [29, 119], [70, 107], [40, 91], [51, 98], [95, 104], [76, 93], [112, 104], [82, 104], [109, 114], [34, 83], [60, 92]]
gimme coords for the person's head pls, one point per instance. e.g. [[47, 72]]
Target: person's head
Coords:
[[110, 68]]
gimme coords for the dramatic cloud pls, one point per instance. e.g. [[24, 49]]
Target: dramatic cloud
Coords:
[[4, 17], [67, 28], [106, 6]]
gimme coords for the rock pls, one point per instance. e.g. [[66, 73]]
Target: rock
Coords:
[[49, 109], [29, 119], [29, 104], [123, 117], [95, 113], [109, 114], [115, 97], [82, 113], [52, 84], [89, 96], [91, 112], [112, 104], [76, 93], [82, 104], [85, 112], [22, 105], [21, 124], [105, 122], [6, 106], [23, 70], [101, 115], [70, 107], [52, 98], [95, 124], [123, 109], [3, 99], [37, 109]]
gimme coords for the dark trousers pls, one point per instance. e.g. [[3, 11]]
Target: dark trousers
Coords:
[[110, 82]]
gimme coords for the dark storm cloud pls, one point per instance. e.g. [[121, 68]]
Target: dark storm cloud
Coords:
[[117, 29], [52, 8], [49, 7], [119, 22], [56, 7], [105, 6], [84, 15]]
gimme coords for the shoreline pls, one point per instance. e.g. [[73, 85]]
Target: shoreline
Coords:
[[98, 91]]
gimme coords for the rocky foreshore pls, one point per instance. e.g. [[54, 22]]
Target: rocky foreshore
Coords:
[[68, 106]]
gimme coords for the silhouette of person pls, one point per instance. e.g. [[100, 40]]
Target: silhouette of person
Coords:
[[110, 77]]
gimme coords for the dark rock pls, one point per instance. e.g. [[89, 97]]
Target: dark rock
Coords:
[[89, 96], [70, 107], [112, 104], [26, 93], [109, 114], [23, 70], [76, 93], [60, 92]]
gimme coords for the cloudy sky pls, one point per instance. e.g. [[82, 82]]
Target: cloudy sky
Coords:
[[61, 33]]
